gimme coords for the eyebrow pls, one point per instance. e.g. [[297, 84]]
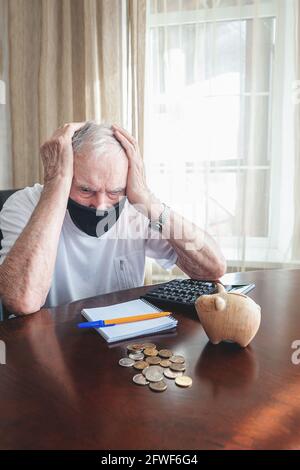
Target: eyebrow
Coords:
[[86, 186], [117, 190]]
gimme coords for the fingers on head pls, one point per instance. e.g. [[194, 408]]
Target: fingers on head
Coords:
[[122, 133], [66, 131], [72, 127]]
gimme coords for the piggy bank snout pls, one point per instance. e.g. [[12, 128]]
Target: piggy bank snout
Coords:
[[204, 303]]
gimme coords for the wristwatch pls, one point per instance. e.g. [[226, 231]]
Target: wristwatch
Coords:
[[159, 223]]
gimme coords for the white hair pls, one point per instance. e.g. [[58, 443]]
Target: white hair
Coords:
[[96, 137]]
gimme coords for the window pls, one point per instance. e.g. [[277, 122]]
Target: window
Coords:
[[214, 120]]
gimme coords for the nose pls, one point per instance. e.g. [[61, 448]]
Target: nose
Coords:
[[100, 201]]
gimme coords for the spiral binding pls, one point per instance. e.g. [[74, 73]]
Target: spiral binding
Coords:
[[154, 306]]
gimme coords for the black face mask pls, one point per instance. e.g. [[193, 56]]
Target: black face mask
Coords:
[[92, 221]]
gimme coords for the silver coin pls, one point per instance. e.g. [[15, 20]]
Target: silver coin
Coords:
[[170, 374], [136, 356], [177, 367], [154, 374], [177, 359], [126, 362], [139, 379]]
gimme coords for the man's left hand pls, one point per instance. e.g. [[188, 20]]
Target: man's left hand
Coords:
[[137, 190]]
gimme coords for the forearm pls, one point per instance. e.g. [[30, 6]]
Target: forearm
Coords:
[[26, 273], [198, 254]]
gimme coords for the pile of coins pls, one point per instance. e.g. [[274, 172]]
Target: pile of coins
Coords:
[[155, 365]]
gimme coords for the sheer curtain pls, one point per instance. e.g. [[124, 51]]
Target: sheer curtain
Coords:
[[219, 124], [296, 102], [62, 61]]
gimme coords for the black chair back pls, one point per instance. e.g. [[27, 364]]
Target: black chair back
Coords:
[[4, 195]]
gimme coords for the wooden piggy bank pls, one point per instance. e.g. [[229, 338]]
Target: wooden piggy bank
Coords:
[[228, 317]]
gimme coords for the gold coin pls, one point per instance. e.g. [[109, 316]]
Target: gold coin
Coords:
[[150, 352], [138, 347], [177, 359], [165, 353], [177, 367], [133, 349], [184, 381], [158, 386], [149, 345], [153, 361], [140, 365], [165, 363]]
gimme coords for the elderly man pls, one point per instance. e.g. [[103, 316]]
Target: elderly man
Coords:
[[88, 229]]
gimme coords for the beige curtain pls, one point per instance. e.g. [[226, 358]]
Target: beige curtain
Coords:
[[71, 60]]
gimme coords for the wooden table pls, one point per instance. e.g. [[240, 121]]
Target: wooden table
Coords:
[[62, 387]]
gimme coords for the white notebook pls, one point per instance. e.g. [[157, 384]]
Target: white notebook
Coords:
[[129, 330]]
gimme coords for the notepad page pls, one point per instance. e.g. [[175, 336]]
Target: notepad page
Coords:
[[125, 309], [128, 330]]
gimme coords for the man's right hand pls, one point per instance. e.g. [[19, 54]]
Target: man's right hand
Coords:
[[57, 153], [22, 288]]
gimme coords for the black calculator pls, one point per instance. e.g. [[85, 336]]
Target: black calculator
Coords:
[[181, 294]]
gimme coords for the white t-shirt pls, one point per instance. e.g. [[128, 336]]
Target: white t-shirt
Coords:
[[87, 266]]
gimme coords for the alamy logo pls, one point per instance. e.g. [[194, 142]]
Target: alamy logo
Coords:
[[2, 352], [295, 358]]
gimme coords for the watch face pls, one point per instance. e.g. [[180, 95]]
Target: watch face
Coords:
[[156, 226]]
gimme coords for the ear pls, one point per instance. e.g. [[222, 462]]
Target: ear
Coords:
[[221, 288], [220, 303]]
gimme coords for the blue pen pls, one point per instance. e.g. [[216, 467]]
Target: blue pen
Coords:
[[94, 324], [115, 321]]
